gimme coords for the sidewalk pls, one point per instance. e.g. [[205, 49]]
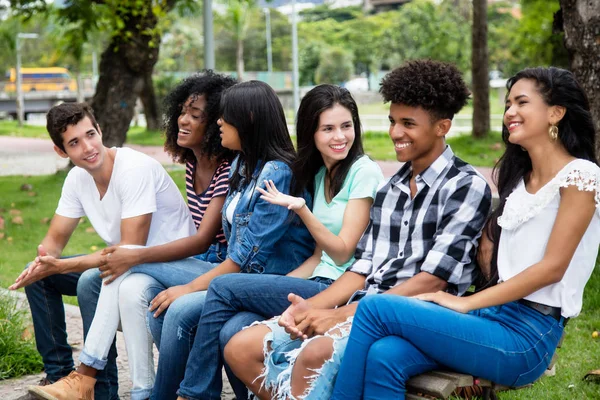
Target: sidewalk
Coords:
[[16, 389], [27, 156]]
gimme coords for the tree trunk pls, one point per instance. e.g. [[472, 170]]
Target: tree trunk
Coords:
[[581, 24], [239, 60], [148, 98], [479, 68], [126, 61]]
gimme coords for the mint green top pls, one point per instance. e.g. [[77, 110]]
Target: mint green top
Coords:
[[361, 182]]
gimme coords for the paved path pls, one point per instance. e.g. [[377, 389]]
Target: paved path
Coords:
[[16, 389], [27, 156]]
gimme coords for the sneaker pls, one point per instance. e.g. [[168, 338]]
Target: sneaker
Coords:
[[72, 387]]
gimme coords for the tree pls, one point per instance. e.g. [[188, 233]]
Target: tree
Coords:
[[581, 24], [479, 68], [237, 16], [127, 62], [335, 67]]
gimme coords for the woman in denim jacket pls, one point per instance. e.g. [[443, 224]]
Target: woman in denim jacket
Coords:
[[262, 237]]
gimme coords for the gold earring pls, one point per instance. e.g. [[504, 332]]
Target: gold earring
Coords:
[[553, 132]]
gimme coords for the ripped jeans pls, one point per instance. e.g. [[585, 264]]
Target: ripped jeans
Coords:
[[279, 361]]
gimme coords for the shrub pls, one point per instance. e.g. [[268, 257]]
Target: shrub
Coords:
[[18, 355]]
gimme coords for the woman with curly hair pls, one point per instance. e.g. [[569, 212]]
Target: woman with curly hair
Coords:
[[545, 235], [192, 137]]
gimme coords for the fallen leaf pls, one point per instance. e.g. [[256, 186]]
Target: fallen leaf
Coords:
[[18, 220], [93, 248], [27, 333], [90, 230], [1, 223], [14, 211], [26, 187], [2, 235], [31, 194], [496, 146], [9, 239], [81, 220], [12, 204], [44, 220]]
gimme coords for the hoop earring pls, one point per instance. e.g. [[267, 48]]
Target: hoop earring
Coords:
[[553, 132]]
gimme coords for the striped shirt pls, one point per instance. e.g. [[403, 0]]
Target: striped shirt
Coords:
[[435, 232], [198, 203]]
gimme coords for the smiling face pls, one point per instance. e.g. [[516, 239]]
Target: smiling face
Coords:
[[230, 138], [83, 145], [416, 138], [192, 122], [527, 116], [335, 134]]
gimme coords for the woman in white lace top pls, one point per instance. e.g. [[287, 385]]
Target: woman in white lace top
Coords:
[[545, 235]]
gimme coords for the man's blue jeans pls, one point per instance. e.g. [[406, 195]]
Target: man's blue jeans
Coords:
[[48, 315], [260, 296], [394, 338]]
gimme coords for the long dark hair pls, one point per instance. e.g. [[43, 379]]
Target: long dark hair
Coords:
[[309, 161], [254, 109], [211, 85], [557, 87]]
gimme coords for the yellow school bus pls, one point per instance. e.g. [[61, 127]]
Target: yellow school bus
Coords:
[[41, 79]]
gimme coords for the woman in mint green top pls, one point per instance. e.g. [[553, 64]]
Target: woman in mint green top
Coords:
[[331, 164]]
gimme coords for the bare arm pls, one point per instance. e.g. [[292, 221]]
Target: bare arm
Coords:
[[58, 235], [574, 215], [123, 259], [306, 269], [339, 247], [165, 298], [133, 231]]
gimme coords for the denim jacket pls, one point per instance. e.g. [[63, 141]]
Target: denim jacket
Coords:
[[265, 238]]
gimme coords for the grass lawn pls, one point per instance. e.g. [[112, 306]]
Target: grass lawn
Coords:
[[579, 354]]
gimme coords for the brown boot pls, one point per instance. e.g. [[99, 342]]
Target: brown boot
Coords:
[[72, 387]]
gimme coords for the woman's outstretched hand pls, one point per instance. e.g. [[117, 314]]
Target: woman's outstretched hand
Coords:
[[274, 196]]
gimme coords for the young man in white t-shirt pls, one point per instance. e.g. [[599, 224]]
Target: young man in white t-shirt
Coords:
[[129, 199]]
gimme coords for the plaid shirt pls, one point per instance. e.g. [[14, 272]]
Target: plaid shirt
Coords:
[[435, 232]]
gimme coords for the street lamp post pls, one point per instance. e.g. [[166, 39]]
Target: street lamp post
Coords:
[[209, 42], [295, 72], [20, 101], [269, 50]]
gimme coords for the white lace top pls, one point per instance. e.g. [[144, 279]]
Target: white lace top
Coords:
[[527, 222]]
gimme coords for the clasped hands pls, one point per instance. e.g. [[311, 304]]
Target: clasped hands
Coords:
[[302, 321]]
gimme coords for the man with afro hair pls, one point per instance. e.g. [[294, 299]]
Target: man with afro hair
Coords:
[[422, 237]]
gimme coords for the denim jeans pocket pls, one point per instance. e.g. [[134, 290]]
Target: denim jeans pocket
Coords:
[[534, 373]]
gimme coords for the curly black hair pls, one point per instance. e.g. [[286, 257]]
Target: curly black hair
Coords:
[[436, 86], [211, 85]]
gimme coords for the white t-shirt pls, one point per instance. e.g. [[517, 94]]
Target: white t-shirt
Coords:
[[138, 185], [527, 222]]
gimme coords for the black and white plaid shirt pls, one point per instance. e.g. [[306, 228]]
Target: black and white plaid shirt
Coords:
[[434, 232]]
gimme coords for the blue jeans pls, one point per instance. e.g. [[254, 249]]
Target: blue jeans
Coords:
[[48, 315], [261, 296], [394, 338]]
